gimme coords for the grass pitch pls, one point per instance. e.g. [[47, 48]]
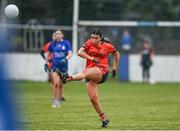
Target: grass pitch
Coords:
[[128, 105]]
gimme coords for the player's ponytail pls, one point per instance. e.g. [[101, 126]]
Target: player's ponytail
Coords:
[[105, 39]]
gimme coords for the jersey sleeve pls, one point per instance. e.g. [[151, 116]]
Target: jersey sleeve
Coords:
[[69, 47], [50, 49], [45, 47], [110, 48], [86, 45]]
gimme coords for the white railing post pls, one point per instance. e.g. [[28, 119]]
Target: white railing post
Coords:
[[75, 25]]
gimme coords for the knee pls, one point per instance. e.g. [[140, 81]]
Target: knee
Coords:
[[56, 84], [83, 75]]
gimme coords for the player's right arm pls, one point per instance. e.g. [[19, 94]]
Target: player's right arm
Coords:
[[83, 54], [82, 51], [44, 50], [46, 63], [42, 53], [49, 50]]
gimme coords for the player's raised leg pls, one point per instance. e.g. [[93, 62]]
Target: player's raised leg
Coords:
[[93, 74]]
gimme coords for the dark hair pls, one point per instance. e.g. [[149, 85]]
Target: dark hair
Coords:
[[105, 39], [97, 31]]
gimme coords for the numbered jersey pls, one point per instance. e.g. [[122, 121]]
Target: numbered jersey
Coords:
[[60, 50], [99, 52]]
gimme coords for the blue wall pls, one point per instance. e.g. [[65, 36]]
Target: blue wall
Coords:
[[124, 68]]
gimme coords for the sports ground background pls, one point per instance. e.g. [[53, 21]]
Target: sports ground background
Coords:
[[25, 96]]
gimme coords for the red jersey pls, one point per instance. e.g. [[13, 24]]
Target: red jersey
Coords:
[[100, 52], [45, 49]]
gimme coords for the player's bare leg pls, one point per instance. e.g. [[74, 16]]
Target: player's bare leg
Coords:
[[91, 74], [92, 89], [51, 83], [61, 91], [56, 102], [94, 76]]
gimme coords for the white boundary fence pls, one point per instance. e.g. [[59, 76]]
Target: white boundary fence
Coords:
[[165, 68], [31, 67]]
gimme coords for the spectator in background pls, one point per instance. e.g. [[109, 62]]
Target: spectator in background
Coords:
[[126, 42], [146, 61]]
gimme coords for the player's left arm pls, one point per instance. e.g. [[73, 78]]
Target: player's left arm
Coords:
[[116, 55], [69, 48], [69, 55], [112, 50], [115, 64]]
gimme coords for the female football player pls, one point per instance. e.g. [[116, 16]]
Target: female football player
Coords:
[[44, 50], [48, 67], [96, 51], [62, 51]]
